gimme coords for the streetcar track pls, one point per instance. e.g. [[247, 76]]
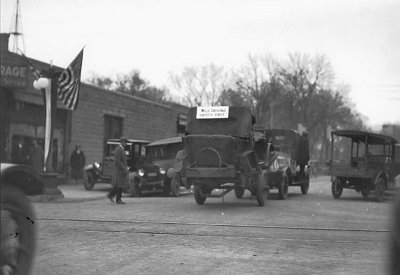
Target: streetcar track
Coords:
[[223, 236], [223, 225]]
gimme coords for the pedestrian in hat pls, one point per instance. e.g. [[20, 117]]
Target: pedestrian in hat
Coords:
[[120, 172], [78, 162]]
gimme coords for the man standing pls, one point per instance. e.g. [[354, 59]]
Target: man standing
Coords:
[[303, 154], [78, 161], [120, 172], [36, 156]]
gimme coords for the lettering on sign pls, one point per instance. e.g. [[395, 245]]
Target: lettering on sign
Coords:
[[214, 112], [13, 76]]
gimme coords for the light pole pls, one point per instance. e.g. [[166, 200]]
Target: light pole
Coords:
[[47, 84]]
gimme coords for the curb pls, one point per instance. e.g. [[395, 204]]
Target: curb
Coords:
[[60, 199]]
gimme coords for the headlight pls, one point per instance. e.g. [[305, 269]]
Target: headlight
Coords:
[[97, 165], [162, 171], [141, 172]]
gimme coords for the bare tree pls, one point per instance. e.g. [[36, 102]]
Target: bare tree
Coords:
[[201, 86], [304, 77]]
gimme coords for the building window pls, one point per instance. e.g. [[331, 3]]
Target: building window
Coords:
[[181, 124], [113, 126]]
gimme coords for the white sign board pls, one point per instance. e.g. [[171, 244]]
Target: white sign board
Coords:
[[213, 112]]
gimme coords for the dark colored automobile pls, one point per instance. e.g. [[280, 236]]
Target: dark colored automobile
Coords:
[[283, 166], [220, 153], [162, 153], [102, 171], [18, 234], [363, 161]]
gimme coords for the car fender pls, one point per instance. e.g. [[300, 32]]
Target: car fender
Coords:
[[288, 171], [133, 175], [23, 177], [170, 173], [89, 167]]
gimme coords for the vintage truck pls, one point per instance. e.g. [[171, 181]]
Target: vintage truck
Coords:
[[363, 161], [219, 145]]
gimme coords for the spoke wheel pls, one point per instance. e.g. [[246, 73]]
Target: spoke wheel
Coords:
[[198, 196], [380, 189], [337, 189], [239, 192], [175, 185], [133, 188], [283, 187], [262, 190], [305, 186], [88, 182], [18, 232]]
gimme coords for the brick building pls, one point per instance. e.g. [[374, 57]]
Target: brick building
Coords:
[[101, 114]]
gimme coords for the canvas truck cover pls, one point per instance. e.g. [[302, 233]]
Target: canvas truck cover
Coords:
[[238, 123]]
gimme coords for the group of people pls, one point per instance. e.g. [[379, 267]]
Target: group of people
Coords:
[[34, 156]]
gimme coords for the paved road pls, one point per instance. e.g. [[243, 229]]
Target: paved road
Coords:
[[305, 234]]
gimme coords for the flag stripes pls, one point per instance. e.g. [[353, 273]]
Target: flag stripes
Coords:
[[69, 82]]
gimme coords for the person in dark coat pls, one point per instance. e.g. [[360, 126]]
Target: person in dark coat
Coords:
[[19, 154], [36, 156], [303, 154], [78, 162], [119, 178]]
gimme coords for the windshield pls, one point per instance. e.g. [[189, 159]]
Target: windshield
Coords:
[[238, 123], [345, 148], [164, 152]]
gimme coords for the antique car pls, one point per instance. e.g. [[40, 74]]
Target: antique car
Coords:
[[18, 234], [283, 166], [163, 154], [363, 161], [136, 158], [220, 153]]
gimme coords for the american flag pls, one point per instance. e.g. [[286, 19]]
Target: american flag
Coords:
[[69, 82], [35, 72]]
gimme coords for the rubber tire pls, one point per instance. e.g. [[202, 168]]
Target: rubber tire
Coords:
[[305, 186], [15, 201], [283, 187], [239, 192], [365, 191], [198, 196], [337, 189], [167, 189], [175, 185], [262, 190], [133, 189], [380, 189], [88, 181]]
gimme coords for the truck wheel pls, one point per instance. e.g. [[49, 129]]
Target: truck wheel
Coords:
[[305, 186], [133, 188], [337, 189], [283, 187], [198, 196], [365, 190], [89, 181], [175, 185], [380, 189], [262, 189], [239, 192], [18, 233]]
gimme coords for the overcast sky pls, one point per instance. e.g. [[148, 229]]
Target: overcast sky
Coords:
[[360, 38]]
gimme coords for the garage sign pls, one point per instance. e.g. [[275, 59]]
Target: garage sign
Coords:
[[214, 112]]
